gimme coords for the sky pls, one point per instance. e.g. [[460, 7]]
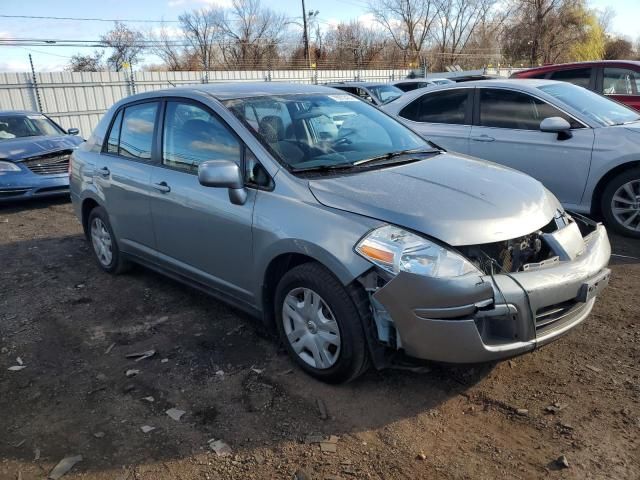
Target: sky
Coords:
[[52, 58]]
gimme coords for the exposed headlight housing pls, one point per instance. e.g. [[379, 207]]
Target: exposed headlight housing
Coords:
[[396, 250], [8, 167]]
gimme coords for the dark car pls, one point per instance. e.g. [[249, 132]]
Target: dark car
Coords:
[[378, 93], [472, 78], [414, 84], [34, 155], [617, 79]]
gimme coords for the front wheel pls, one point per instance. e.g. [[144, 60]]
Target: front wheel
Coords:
[[320, 325], [621, 203], [103, 242]]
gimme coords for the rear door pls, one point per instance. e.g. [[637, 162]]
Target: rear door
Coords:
[[507, 130], [123, 175], [443, 117], [621, 84], [199, 232]]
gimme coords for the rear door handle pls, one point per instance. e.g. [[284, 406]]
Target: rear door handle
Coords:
[[162, 187], [104, 171], [483, 138]]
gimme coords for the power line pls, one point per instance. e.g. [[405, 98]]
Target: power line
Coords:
[[84, 19]]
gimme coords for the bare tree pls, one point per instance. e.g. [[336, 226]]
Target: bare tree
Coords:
[[408, 22], [352, 44], [168, 49], [252, 33], [457, 21], [618, 48], [127, 46], [86, 63], [201, 29]]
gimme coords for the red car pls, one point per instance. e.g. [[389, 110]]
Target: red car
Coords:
[[619, 79]]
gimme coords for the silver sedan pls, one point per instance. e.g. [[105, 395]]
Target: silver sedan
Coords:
[[318, 213], [583, 147]]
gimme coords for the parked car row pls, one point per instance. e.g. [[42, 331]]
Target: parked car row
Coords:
[[353, 234]]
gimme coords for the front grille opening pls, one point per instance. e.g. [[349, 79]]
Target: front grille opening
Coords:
[[555, 316], [13, 192], [62, 188], [509, 256], [50, 164]]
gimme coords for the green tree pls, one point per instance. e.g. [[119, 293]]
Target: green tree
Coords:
[[592, 44]]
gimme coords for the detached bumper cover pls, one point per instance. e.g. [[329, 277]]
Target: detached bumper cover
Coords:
[[476, 319]]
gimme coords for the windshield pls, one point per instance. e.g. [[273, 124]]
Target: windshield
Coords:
[[323, 130], [385, 93], [600, 109], [15, 126]]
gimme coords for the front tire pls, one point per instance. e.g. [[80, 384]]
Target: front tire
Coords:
[[320, 325], [620, 204], [103, 243]]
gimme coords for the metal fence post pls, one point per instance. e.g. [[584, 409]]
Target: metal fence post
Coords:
[[35, 85]]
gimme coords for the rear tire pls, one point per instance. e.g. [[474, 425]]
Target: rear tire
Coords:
[[320, 325], [621, 203], [103, 243]]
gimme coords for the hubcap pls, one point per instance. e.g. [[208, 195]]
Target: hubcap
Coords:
[[101, 241], [625, 205], [311, 328]]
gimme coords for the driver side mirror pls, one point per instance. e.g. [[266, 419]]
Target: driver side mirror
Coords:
[[224, 174], [73, 131], [557, 125]]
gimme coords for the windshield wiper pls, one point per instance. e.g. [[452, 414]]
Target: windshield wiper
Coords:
[[323, 168], [391, 155]]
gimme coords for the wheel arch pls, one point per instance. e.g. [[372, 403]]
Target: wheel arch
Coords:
[[88, 204], [596, 198], [285, 260]]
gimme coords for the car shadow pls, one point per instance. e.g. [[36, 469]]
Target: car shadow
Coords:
[[73, 326]]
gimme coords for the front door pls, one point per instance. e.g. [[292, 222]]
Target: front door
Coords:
[[507, 131], [443, 117], [199, 232]]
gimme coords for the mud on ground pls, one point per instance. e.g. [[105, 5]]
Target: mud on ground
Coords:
[[578, 397]]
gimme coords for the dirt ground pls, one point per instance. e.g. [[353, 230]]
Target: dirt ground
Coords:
[[578, 397]]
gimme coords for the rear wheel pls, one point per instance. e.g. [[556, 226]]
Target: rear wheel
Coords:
[[621, 203], [320, 325], [103, 242]]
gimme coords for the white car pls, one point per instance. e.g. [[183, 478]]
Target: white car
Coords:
[[582, 146]]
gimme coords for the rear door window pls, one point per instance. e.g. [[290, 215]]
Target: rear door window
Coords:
[[516, 110], [136, 134], [577, 76], [620, 81], [449, 107]]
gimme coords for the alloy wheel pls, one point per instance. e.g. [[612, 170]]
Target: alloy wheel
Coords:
[[625, 205], [311, 328], [101, 240]]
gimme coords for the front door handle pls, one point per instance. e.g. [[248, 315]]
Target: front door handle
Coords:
[[104, 172], [162, 187], [483, 138]]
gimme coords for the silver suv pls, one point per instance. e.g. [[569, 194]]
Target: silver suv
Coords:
[[318, 212]]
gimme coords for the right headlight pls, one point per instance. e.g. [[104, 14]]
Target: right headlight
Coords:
[[397, 250], [8, 167]]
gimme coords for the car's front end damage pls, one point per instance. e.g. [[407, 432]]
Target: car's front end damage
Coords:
[[527, 292]]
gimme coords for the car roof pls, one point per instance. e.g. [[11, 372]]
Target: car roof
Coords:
[[228, 91], [507, 82], [592, 63], [356, 84], [19, 112]]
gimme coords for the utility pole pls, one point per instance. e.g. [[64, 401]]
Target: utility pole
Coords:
[[35, 84], [305, 34]]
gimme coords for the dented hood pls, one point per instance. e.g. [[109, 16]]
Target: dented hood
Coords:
[[17, 149], [456, 199]]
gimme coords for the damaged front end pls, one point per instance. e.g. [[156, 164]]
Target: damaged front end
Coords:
[[524, 292]]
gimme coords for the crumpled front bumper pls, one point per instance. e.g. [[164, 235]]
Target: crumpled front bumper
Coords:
[[483, 318]]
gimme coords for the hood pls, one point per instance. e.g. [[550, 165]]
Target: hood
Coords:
[[450, 197], [633, 127], [17, 149]]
